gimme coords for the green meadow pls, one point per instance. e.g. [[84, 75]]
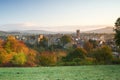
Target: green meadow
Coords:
[[94, 72]]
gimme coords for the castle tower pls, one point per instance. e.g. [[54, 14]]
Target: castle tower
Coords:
[[78, 33]]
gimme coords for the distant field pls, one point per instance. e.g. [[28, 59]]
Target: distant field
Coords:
[[103, 72]]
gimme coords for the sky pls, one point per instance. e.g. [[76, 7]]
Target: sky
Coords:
[[58, 15]]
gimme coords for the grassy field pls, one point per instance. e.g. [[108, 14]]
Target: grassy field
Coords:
[[103, 72]]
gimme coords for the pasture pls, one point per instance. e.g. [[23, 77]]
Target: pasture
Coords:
[[94, 72]]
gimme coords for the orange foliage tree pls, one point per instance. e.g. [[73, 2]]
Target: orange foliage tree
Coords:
[[16, 52]]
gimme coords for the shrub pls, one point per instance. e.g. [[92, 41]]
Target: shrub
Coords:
[[87, 61], [47, 59], [77, 53], [116, 61], [67, 64], [102, 55]]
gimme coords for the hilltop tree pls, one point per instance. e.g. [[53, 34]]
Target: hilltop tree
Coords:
[[94, 43], [117, 31], [44, 42], [65, 39]]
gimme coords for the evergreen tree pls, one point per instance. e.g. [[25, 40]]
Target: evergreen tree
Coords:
[[117, 31]]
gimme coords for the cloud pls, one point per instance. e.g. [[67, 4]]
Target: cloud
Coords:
[[33, 26], [28, 24]]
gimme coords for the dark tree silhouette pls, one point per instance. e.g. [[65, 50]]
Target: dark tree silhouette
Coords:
[[117, 31]]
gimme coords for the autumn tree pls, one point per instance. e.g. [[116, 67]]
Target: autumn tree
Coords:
[[1, 43], [3, 54], [13, 51], [5, 58], [13, 45], [31, 58]]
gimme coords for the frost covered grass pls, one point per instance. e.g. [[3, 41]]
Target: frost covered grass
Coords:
[[94, 72]]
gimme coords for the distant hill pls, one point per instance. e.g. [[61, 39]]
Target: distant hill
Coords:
[[26, 32], [3, 32], [102, 30], [37, 32], [8, 32], [27, 29], [43, 32]]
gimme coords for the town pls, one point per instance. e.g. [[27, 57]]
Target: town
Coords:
[[77, 39]]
